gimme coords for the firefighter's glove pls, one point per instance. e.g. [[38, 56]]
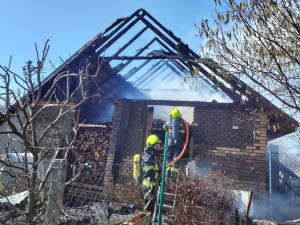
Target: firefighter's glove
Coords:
[[149, 195]]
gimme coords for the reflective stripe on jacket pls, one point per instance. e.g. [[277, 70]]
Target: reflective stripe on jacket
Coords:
[[149, 168], [149, 184]]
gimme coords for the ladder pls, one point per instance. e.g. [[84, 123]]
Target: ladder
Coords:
[[167, 205]]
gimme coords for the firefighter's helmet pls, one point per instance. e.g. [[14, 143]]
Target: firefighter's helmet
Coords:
[[152, 139], [175, 113]]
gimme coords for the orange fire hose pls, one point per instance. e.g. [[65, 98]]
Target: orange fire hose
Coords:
[[175, 160], [184, 147]]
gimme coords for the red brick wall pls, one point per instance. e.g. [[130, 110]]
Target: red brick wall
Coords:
[[233, 141]]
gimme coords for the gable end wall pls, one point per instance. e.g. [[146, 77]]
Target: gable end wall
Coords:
[[233, 141]]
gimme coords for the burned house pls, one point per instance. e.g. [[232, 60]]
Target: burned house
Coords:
[[230, 126]]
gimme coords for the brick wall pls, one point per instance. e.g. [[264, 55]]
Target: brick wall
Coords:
[[124, 189], [233, 141], [135, 136], [61, 130]]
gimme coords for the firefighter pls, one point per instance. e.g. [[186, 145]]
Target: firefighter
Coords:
[[150, 170], [177, 131]]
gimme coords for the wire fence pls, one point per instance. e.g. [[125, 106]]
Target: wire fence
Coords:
[[108, 194], [283, 186]]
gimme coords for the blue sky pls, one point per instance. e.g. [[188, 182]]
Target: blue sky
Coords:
[[71, 24]]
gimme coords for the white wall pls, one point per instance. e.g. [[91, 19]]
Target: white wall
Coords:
[[5, 139]]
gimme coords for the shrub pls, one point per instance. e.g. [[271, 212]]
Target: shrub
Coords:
[[203, 200]]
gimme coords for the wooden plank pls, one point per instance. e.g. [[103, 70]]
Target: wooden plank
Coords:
[[140, 219], [78, 190], [81, 196], [92, 125], [248, 207], [171, 103], [191, 150], [90, 186]]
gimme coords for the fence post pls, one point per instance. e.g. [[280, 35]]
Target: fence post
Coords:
[[56, 194], [191, 150], [270, 182]]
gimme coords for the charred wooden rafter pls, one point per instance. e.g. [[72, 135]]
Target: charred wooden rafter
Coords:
[[178, 62], [150, 72], [165, 90], [179, 73], [115, 38], [129, 42], [153, 76], [140, 51], [190, 61], [135, 70], [172, 103], [163, 78]]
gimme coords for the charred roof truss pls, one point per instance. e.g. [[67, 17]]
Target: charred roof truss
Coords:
[[125, 64]]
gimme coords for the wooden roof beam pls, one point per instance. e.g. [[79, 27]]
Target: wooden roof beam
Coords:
[[130, 42], [143, 79], [148, 71], [171, 103], [115, 38], [135, 70], [137, 54]]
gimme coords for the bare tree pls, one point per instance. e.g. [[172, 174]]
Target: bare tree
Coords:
[[259, 40], [24, 99]]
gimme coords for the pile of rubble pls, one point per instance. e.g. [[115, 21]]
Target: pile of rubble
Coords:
[[98, 213]]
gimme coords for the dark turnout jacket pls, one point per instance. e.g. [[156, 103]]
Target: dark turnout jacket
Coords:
[[149, 167], [177, 131]]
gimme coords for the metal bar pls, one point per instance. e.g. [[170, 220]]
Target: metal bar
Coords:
[[130, 42], [163, 179]]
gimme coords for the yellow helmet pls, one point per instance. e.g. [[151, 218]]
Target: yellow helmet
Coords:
[[152, 139], [175, 113]]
